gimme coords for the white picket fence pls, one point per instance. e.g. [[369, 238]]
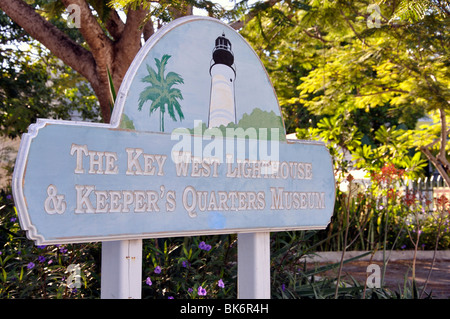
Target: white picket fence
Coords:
[[427, 189]]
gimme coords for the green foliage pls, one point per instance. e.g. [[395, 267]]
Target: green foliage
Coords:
[[177, 267], [126, 123], [29, 271], [34, 84], [330, 68], [258, 119], [166, 11], [250, 125]]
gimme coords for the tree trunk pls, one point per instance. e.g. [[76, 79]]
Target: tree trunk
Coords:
[[440, 161], [162, 122]]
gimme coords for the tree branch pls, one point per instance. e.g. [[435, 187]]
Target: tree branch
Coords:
[[115, 25], [442, 156], [442, 171], [128, 45], [428, 146], [353, 29], [318, 37], [440, 160], [98, 41], [148, 29], [133, 28], [61, 45], [382, 92]]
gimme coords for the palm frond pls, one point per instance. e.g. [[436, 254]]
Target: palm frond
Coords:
[[152, 76], [175, 93], [149, 93], [157, 103], [161, 66], [177, 106], [412, 10]]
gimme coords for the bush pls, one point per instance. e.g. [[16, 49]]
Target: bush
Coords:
[[190, 267], [29, 271]]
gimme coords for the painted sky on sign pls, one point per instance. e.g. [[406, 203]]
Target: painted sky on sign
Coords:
[[190, 47]]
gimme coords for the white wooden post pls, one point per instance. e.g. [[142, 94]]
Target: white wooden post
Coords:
[[254, 265], [121, 273]]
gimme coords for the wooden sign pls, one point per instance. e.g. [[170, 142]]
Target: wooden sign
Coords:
[[196, 146]]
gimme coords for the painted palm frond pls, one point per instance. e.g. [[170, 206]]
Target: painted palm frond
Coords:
[[173, 78], [161, 92], [149, 93], [174, 96], [152, 76]]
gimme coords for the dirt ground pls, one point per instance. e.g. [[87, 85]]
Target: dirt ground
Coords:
[[438, 285]]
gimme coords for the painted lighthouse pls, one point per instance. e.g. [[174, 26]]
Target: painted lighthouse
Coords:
[[222, 108]]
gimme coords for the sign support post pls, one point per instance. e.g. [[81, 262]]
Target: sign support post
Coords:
[[254, 265], [121, 274]]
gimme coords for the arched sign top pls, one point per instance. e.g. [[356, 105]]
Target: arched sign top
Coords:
[[196, 69]]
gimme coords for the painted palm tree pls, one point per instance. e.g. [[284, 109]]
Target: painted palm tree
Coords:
[[161, 92]]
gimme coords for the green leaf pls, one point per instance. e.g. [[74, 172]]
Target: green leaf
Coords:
[[111, 87]]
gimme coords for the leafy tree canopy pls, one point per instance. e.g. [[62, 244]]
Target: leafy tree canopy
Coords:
[[348, 71], [35, 84]]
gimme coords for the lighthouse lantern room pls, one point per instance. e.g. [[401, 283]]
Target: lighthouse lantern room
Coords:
[[222, 108]]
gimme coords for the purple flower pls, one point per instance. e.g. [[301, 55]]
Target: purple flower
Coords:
[[41, 246], [220, 283], [190, 290], [204, 246], [157, 270], [13, 219], [148, 281], [31, 265], [201, 291], [41, 259], [283, 287], [8, 196], [63, 250], [170, 297], [184, 263]]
